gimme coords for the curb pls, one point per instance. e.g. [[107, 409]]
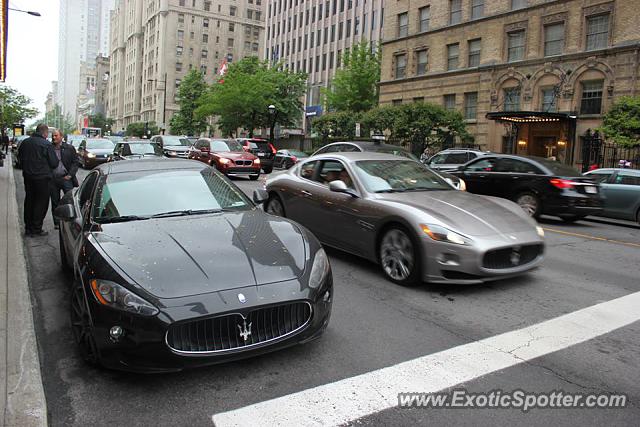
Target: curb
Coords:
[[24, 399]]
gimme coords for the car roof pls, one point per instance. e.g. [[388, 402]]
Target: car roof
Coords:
[[150, 164], [353, 156], [633, 171], [137, 141], [367, 144], [454, 149]]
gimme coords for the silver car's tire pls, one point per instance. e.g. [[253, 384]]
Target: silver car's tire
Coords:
[[398, 256], [274, 206], [530, 204]]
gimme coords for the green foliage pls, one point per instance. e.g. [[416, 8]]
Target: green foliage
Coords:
[[100, 121], [186, 121], [355, 85], [14, 108], [622, 123], [242, 98], [380, 119], [138, 129], [340, 124], [56, 119]]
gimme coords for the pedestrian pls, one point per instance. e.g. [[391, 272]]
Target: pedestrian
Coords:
[[64, 175], [5, 142], [38, 160]]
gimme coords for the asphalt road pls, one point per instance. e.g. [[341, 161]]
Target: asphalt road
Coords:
[[374, 324]]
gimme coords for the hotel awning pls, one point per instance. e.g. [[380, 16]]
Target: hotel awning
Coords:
[[527, 116]]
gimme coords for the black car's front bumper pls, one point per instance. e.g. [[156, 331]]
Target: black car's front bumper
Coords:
[[144, 346]]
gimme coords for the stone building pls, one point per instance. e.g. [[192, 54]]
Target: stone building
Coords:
[[530, 76]]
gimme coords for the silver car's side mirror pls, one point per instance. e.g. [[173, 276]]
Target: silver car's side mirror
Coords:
[[338, 186], [260, 196]]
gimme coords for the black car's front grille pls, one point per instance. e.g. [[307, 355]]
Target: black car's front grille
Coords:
[[511, 257], [243, 162], [237, 331]]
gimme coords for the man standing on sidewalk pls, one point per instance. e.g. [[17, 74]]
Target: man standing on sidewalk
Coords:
[[64, 176], [38, 160]]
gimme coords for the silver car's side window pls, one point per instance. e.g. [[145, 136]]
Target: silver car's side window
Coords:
[[627, 179], [306, 170], [333, 170]]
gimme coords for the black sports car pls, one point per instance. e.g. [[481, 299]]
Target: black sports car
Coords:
[[174, 267]]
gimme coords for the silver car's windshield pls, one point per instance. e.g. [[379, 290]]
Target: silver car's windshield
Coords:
[[396, 176]]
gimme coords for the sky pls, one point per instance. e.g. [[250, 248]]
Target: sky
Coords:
[[32, 52]]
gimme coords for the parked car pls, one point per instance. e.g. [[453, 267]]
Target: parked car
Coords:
[[451, 158], [94, 151], [174, 146], [136, 149], [226, 155], [284, 159], [165, 283], [538, 185], [262, 148], [405, 217], [621, 191]]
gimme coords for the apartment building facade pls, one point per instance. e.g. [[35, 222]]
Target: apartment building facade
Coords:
[[312, 35], [155, 43], [530, 76]]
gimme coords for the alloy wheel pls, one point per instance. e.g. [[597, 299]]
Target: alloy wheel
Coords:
[[81, 326], [274, 207], [397, 255]]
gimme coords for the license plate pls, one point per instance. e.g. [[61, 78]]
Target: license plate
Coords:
[[260, 154], [590, 190]]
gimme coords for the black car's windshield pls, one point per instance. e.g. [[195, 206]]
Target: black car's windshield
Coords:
[[173, 141], [558, 168], [140, 195], [221, 146], [145, 148], [388, 176], [99, 144]]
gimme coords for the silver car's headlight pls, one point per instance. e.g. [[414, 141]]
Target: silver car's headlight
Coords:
[[319, 270], [442, 234], [540, 231], [116, 296]]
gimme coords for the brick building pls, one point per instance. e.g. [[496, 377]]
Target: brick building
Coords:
[[530, 76]]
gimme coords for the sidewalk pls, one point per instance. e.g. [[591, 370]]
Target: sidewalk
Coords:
[[22, 401]]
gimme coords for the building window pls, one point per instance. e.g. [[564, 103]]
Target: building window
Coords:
[[180, 35], [471, 105], [397, 102], [425, 17], [422, 60], [181, 3], [453, 51], [477, 9], [230, 42], [512, 99], [178, 50], [474, 52], [204, 54], [554, 39], [549, 100], [597, 32], [450, 102], [591, 100], [181, 18], [232, 27], [178, 66], [455, 11], [205, 23], [403, 24], [515, 46], [518, 4], [348, 30], [401, 66], [232, 10], [207, 6]]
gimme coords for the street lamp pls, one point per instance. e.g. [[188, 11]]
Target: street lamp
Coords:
[[30, 12], [164, 99], [272, 114]]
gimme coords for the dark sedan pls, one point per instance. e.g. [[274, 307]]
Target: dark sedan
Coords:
[[539, 186], [164, 283], [174, 146], [94, 151], [287, 158], [131, 150]]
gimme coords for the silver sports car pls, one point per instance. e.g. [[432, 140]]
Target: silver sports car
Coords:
[[398, 213]]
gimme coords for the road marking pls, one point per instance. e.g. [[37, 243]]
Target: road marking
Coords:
[[590, 237], [352, 398]]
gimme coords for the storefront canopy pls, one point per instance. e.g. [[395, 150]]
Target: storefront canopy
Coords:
[[528, 116]]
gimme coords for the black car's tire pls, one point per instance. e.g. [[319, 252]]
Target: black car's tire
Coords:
[[81, 326], [254, 177], [64, 260], [572, 218], [398, 256], [530, 203], [274, 206]]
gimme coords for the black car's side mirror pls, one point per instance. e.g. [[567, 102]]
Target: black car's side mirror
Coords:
[[260, 196], [65, 212], [460, 168]]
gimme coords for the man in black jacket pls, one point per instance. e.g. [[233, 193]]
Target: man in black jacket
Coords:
[[64, 175], [38, 160]]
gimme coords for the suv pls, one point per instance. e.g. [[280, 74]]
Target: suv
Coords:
[[226, 155], [173, 146], [261, 148], [451, 158]]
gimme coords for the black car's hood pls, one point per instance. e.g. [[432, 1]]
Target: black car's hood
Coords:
[[183, 256]]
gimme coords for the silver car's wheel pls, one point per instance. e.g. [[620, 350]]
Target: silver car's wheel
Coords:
[[274, 206], [398, 256], [529, 203]]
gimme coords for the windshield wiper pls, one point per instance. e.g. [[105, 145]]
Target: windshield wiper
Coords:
[[123, 218], [392, 190], [186, 212]]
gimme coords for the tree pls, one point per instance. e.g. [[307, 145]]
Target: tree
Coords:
[[341, 124], [186, 121], [355, 85], [98, 120], [622, 123], [14, 108], [140, 129], [243, 97], [56, 119]]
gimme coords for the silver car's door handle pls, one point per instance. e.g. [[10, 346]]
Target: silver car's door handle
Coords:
[[306, 193]]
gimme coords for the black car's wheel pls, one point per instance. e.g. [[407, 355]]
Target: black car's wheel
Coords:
[[530, 203], [81, 326], [268, 170], [274, 206], [398, 256], [64, 260], [572, 218], [254, 177]]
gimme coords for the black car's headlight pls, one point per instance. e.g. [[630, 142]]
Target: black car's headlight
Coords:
[[442, 234], [319, 270], [116, 296]]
